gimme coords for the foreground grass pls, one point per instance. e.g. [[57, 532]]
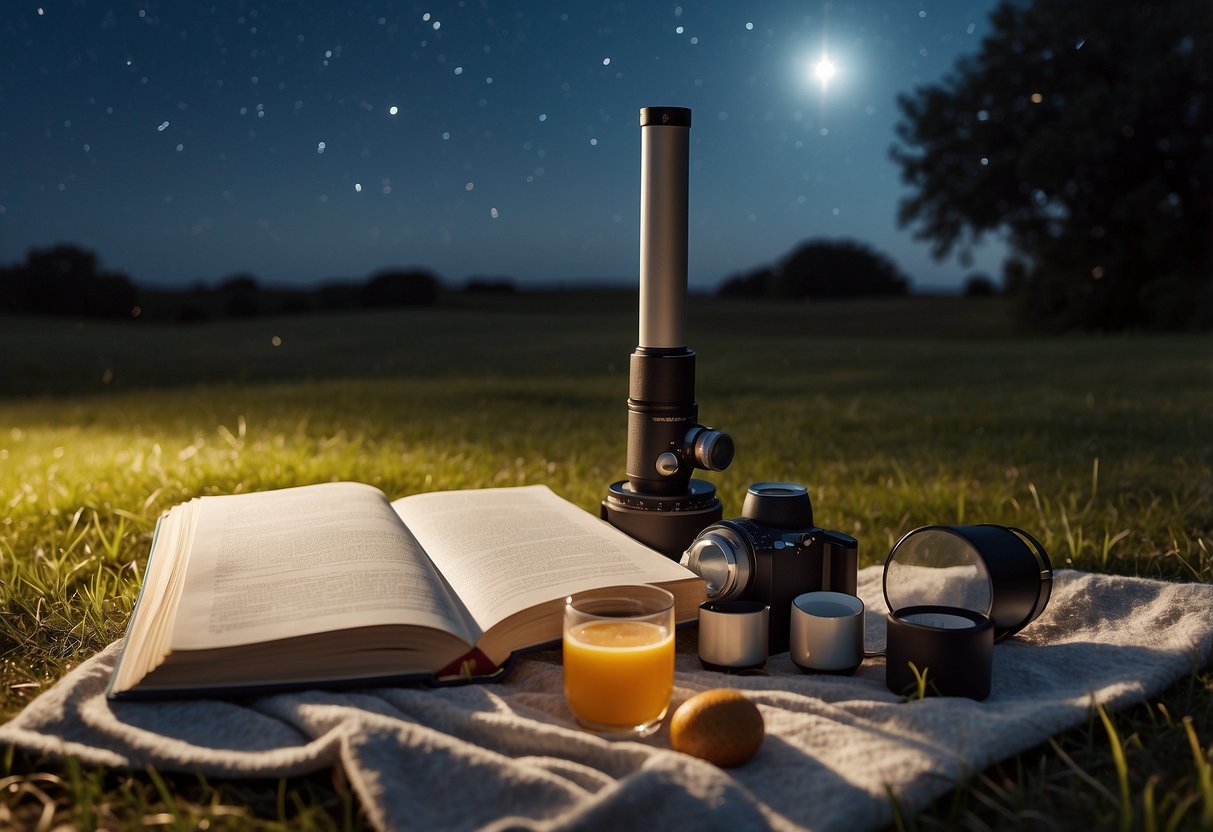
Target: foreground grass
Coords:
[[895, 415]]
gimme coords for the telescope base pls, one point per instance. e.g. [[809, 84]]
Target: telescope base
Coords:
[[666, 522]]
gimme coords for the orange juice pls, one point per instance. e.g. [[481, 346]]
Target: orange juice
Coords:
[[618, 673]]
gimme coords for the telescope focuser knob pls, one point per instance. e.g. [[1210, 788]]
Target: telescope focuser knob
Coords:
[[667, 464]]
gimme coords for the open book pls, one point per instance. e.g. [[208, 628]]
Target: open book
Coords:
[[329, 584]]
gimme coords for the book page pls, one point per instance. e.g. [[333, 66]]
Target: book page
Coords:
[[147, 635], [297, 561], [504, 550]]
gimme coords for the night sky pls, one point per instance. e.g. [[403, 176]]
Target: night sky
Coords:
[[186, 141]]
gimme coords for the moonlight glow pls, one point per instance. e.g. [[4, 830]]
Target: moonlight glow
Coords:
[[824, 70]]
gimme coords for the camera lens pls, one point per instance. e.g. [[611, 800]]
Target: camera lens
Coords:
[[722, 560]]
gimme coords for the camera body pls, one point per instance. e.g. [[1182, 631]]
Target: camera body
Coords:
[[772, 553]]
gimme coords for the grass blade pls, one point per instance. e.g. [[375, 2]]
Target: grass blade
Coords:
[[1204, 774], [1122, 770]]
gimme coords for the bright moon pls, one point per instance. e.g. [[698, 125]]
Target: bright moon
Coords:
[[824, 70]]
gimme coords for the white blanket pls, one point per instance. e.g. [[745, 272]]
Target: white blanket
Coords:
[[509, 756]]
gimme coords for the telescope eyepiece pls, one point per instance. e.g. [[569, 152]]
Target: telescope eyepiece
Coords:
[[712, 449], [665, 117]]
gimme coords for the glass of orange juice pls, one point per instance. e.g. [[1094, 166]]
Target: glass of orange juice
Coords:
[[619, 658]]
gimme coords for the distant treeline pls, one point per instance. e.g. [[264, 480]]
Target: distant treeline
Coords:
[[67, 280]]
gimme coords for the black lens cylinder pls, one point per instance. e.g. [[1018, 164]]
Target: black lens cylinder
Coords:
[[1012, 563], [951, 650]]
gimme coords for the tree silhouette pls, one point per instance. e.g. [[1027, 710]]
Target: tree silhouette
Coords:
[[66, 280], [838, 269], [240, 295], [752, 284], [1083, 131], [401, 287], [822, 269]]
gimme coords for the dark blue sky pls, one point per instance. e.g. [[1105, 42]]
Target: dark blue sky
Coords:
[[185, 141]]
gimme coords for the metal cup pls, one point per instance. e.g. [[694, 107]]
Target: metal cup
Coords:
[[733, 635], [827, 632]]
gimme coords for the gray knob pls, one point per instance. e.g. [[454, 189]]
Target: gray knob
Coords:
[[667, 464]]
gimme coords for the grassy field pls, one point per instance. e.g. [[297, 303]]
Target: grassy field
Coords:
[[895, 414]]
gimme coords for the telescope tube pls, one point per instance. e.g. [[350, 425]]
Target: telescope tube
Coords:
[[664, 162], [659, 503]]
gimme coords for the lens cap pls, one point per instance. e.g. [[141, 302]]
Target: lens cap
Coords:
[[998, 571]]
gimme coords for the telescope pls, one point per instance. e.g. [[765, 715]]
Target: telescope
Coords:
[[659, 503]]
